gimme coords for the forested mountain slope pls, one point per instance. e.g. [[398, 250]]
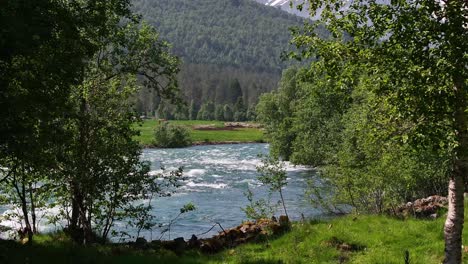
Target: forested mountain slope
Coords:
[[220, 41], [238, 33]]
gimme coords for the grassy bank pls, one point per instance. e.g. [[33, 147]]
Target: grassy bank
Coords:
[[349, 239], [218, 134]]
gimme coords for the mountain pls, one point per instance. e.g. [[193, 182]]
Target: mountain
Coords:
[[286, 5], [238, 33], [290, 6], [221, 41]]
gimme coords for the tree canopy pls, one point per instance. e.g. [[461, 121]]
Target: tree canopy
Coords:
[[67, 137], [396, 87]]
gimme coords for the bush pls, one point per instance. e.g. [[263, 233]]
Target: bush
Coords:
[[171, 136]]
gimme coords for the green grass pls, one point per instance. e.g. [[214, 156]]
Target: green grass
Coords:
[[383, 240], [379, 239], [238, 135]]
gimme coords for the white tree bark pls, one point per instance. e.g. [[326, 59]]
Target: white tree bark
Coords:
[[453, 228]]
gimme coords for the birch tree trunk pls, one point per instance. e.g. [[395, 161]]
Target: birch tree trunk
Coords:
[[453, 228]]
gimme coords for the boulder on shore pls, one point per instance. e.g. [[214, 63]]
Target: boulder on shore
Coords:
[[247, 231], [422, 208]]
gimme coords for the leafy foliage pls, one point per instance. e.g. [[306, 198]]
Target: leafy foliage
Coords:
[[272, 175], [45, 49], [189, 207], [417, 51], [167, 135], [344, 128], [259, 209], [78, 145]]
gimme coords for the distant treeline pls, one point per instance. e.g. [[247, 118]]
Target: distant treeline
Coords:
[[218, 86], [228, 105]]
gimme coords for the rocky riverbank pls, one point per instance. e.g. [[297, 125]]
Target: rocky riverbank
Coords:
[[246, 232]]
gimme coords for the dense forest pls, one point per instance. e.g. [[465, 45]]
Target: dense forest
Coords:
[[238, 33], [220, 42], [206, 84]]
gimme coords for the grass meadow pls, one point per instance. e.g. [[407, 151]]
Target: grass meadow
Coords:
[[218, 133]]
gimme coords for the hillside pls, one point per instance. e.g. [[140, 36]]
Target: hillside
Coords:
[[220, 41], [238, 33]]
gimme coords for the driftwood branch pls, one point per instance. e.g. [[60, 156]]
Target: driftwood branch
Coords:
[[216, 224]]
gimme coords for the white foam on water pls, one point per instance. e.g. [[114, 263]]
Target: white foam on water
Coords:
[[233, 164], [155, 172], [179, 161], [246, 180], [207, 185], [195, 172], [178, 194], [251, 182], [10, 218], [298, 168], [215, 151], [291, 167]]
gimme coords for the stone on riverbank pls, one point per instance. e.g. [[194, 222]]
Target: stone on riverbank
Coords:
[[246, 232], [423, 208]]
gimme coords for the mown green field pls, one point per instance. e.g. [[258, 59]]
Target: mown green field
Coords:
[[371, 239], [203, 136]]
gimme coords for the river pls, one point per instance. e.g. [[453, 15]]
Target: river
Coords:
[[217, 178]]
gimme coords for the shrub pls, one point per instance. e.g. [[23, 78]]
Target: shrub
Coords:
[[171, 136], [272, 173]]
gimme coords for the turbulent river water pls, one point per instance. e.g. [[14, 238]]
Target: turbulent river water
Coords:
[[217, 178]]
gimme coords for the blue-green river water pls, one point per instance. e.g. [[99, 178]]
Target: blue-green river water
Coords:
[[217, 178]]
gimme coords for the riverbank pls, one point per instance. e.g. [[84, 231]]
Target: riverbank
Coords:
[[206, 132], [208, 143], [348, 239]]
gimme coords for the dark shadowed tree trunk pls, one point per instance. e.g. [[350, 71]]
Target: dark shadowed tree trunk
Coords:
[[33, 208], [74, 209], [21, 191]]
